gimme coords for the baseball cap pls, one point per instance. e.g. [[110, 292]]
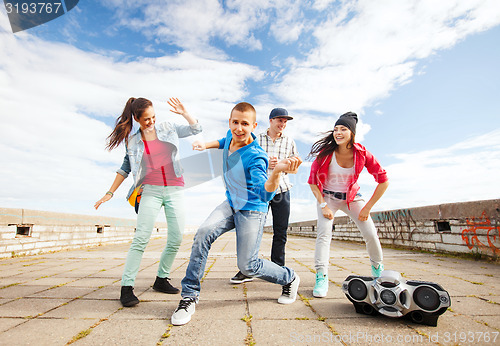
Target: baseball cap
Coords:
[[280, 113]]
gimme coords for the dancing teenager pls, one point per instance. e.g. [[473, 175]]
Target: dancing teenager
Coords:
[[152, 155], [248, 191], [333, 181], [278, 146]]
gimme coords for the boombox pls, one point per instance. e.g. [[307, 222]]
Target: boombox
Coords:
[[390, 295]]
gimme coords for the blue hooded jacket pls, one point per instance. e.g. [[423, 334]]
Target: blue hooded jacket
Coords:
[[245, 174]]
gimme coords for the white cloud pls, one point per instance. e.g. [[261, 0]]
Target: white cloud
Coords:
[[194, 24], [366, 49], [465, 171], [53, 97]]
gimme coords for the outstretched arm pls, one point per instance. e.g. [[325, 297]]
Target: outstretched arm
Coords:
[[116, 184], [379, 191], [200, 146]]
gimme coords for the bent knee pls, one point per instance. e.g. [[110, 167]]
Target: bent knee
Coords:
[[247, 271], [249, 268]]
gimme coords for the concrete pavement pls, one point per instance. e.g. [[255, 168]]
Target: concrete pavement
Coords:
[[71, 297]]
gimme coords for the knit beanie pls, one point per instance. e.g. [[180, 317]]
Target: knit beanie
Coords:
[[349, 120]]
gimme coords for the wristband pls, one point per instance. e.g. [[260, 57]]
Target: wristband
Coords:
[[109, 193], [322, 205]]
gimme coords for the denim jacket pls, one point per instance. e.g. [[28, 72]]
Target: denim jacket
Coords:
[[166, 132]]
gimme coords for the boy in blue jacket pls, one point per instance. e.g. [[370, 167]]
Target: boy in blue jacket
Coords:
[[248, 191]]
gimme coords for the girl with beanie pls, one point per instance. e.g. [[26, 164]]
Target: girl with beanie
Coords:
[[152, 156], [333, 181]]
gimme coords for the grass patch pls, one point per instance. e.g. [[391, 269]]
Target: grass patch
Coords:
[[80, 335], [165, 335], [247, 319], [249, 340], [15, 284]]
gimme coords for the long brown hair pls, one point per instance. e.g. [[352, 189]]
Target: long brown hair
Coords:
[[327, 145], [123, 127]]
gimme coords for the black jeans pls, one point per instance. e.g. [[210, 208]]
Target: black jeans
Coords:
[[280, 208]]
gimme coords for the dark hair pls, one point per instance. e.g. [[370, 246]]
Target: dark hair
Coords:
[[327, 145], [133, 108]]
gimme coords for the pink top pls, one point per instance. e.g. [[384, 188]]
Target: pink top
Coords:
[[362, 158], [159, 167]]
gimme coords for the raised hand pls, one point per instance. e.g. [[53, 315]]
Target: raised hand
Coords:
[[177, 106]]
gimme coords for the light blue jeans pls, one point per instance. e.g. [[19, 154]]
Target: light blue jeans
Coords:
[[249, 226], [153, 198]]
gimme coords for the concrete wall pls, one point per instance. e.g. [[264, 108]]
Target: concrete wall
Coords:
[[49, 231], [469, 227]]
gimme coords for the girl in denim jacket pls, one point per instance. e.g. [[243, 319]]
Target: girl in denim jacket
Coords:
[[152, 157], [333, 181]]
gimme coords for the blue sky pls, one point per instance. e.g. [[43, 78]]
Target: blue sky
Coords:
[[422, 75]]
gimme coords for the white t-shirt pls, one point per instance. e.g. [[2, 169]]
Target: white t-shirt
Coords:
[[339, 178]]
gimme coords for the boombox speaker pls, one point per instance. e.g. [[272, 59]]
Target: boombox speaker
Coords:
[[390, 295]]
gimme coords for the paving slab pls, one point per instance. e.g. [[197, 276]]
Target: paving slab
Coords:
[[209, 332], [332, 308], [19, 291], [85, 309], [8, 323], [41, 331], [125, 332], [286, 332], [271, 309], [63, 292], [156, 310], [73, 296], [106, 293], [30, 307]]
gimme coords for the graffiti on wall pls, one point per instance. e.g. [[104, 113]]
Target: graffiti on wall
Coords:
[[395, 224], [482, 227]]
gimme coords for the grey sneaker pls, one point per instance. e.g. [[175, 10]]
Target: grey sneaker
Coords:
[[240, 278], [184, 311], [289, 291]]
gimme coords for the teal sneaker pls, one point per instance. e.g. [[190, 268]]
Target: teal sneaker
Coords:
[[377, 271], [321, 287]]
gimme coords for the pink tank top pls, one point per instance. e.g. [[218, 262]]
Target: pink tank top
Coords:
[[159, 167]]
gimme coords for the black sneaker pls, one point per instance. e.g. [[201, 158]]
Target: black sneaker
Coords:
[[240, 278], [127, 296], [162, 285]]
